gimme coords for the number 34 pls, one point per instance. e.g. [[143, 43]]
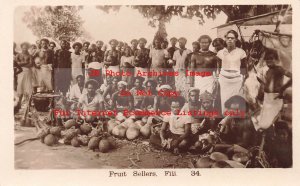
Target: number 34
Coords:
[[195, 173]]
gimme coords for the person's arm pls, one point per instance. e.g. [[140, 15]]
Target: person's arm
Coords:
[[163, 130], [131, 102], [155, 105], [244, 68], [287, 84], [193, 68], [114, 101], [18, 68]]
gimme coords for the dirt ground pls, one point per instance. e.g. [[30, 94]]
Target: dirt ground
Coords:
[[128, 154]]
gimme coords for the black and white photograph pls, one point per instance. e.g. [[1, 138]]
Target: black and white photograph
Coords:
[[152, 87]]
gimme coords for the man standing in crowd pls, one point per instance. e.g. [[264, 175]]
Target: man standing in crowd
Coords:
[[173, 47], [100, 52], [205, 62], [179, 59], [134, 44], [141, 57], [62, 68]]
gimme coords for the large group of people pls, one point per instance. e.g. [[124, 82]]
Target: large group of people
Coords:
[[198, 88]]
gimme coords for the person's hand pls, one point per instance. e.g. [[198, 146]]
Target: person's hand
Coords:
[[164, 143], [279, 96]]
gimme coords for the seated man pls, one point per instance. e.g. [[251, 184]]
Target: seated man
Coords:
[[236, 132], [90, 101], [138, 92], [77, 89], [175, 131], [122, 99]]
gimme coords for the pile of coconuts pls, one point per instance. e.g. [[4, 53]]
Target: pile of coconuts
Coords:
[[100, 138], [128, 128]]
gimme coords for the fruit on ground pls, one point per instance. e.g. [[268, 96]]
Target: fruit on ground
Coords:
[[85, 128], [94, 143], [119, 131], [111, 124], [55, 131], [140, 123], [204, 162], [50, 140], [146, 131], [70, 123], [104, 145], [132, 133], [75, 142]]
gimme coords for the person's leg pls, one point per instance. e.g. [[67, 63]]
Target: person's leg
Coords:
[[155, 141]]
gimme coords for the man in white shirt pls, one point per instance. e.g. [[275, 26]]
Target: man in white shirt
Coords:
[[77, 89]]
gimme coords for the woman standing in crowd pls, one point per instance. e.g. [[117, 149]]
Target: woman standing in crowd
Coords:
[[233, 68], [24, 60], [77, 61], [179, 59]]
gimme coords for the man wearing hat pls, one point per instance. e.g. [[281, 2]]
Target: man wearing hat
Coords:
[[122, 99], [141, 58], [62, 68], [138, 92]]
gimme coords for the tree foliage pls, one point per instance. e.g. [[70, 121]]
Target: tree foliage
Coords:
[[55, 22], [158, 15]]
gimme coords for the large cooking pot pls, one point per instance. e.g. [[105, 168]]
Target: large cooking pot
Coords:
[[42, 101]]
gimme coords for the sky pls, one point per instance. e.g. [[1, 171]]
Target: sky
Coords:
[[125, 25]]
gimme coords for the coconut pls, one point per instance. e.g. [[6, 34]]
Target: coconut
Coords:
[[50, 140], [84, 140], [56, 131], [146, 131], [132, 133], [145, 119], [89, 119], [70, 134], [240, 157], [95, 132], [67, 141], [119, 131], [133, 125], [120, 117], [70, 123], [94, 143], [204, 162], [111, 124], [85, 128], [218, 156], [75, 142], [104, 145], [140, 123], [112, 142]]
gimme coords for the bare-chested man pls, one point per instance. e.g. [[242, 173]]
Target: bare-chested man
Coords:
[[206, 63]]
